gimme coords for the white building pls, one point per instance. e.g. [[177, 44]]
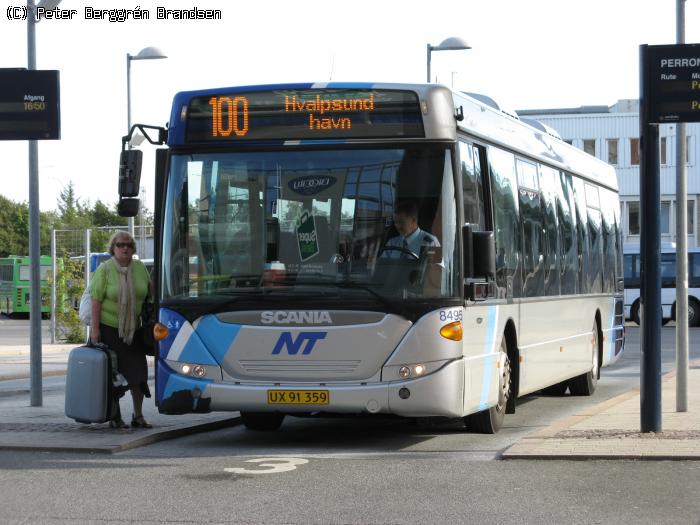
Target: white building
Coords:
[[612, 134]]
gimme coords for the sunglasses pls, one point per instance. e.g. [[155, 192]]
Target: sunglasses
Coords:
[[123, 245]]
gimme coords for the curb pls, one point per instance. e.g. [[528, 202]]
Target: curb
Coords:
[[526, 448], [141, 441]]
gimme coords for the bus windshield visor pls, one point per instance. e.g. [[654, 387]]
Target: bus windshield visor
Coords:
[[364, 224]]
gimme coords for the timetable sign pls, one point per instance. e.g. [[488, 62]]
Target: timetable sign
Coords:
[[29, 105], [673, 83]]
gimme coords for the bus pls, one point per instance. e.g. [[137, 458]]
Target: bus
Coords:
[[15, 285], [632, 266], [286, 196]]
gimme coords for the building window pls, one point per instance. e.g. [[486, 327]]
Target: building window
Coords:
[[665, 217], [612, 151], [691, 217], [662, 150], [633, 218], [634, 152], [589, 146]]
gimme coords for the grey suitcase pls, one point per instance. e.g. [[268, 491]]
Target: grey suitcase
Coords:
[[93, 384]]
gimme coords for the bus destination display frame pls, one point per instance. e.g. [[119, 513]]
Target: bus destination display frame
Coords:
[[304, 114]]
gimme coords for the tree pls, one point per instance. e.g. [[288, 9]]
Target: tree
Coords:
[[102, 215], [14, 228]]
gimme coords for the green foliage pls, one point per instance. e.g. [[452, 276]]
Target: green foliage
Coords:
[[73, 214], [14, 228], [70, 284]]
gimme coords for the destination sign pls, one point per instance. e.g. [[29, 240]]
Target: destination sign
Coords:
[[673, 86], [29, 105], [296, 114]]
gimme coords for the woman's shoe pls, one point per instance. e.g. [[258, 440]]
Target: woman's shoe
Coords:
[[139, 422], [118, 423]]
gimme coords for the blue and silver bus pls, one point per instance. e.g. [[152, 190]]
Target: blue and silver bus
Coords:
[[300, 300]]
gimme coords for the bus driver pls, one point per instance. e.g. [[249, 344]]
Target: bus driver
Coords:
[[411, 240]]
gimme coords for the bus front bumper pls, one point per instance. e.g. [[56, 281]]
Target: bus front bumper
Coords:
[[438, 394]]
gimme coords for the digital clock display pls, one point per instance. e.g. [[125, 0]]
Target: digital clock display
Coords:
[[29, 105], [296, 114]]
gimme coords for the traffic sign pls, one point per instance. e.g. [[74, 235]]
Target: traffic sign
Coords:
[[674, 83]]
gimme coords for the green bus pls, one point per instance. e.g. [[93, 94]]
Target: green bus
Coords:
[[15, 284]]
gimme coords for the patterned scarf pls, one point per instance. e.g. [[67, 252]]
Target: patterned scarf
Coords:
[[127, 300]]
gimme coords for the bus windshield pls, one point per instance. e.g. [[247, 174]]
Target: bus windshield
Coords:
[[372, 224]]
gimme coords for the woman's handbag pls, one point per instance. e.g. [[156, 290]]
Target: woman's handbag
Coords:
[[85, 310], [147, 322]]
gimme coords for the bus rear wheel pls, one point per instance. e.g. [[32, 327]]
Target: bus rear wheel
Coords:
[[262, 421], [490, 421], [693, 312], [635, 313], [585, 384]]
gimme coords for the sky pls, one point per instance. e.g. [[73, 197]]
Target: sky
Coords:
[[525, 54]]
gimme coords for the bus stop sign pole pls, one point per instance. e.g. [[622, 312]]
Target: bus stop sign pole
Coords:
[[650, 244], [669, 93]]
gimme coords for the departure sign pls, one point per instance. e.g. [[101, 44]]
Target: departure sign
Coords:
[[304, 114], [673, 83], [29, 105]]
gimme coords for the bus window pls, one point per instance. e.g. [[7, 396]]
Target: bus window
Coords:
[[506, 221], [472, 187], [567, 227], [586, 277], [595, 235], [549, 183], [531, 221], [668, 270]]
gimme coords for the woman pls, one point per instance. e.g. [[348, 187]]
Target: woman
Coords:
[[118, 289]]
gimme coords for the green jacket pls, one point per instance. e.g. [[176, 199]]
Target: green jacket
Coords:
[[104, 288]]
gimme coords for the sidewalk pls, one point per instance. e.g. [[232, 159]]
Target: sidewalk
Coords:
[[46, 428], [610, 430]]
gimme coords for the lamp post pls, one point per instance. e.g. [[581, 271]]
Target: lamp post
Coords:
[[147, 53], [454, 43], [35, 379]]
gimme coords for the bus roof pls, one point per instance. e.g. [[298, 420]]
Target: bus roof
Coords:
[[443, 113]]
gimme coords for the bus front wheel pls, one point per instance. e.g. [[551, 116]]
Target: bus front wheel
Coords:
[[490, 421], [262, 421]]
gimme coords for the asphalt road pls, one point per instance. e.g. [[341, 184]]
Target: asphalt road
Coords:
[[360, 470], [16, 331]]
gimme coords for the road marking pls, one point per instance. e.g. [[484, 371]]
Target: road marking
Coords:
[[275, 465]]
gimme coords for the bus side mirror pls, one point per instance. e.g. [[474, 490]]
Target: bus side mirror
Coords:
[[484, 245], [128, 207], [479, 263], [129, 173]]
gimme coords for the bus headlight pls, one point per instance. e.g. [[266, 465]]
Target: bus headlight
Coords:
[[195, 370], [412, 371]]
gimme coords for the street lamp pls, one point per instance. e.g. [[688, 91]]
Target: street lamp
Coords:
[[35, 376], [454, 43], [147, 53]]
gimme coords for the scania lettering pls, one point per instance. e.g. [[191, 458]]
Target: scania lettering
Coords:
[[301, 317], [284, 285]]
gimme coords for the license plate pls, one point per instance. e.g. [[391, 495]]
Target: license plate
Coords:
[[298, 397]]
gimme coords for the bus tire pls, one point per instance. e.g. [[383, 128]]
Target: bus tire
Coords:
[[585, 384], [635, 312], [490, 421], [693, 312], [558, 389], [262, 421]]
